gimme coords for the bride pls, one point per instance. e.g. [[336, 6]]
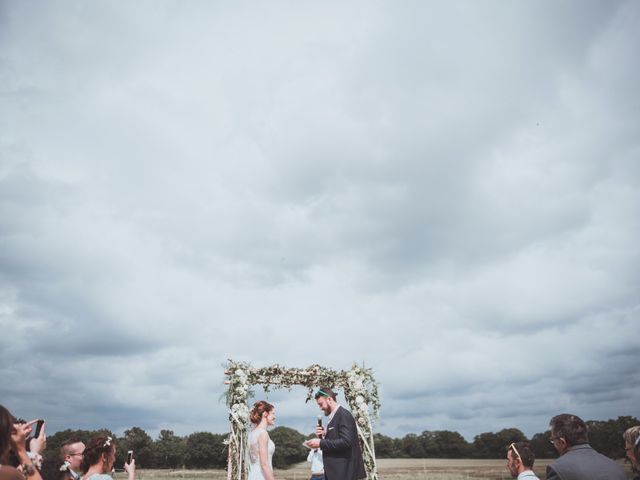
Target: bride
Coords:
[[261, 447]]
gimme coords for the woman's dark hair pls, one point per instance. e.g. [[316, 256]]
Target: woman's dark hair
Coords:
[[94, 450], [258, 410], [6, 424]]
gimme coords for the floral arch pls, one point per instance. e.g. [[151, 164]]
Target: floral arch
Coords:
[[359, 387]]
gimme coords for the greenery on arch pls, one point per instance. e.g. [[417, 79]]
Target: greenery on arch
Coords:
[[359, 387]]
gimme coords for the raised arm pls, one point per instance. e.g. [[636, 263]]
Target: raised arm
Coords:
[[19, 433], [130, 468], [263, 451]]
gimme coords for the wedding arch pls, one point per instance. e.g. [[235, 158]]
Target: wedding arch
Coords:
[[359, 387]]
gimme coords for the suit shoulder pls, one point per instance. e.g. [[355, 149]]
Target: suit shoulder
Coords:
[[346, 411], [345, 414]]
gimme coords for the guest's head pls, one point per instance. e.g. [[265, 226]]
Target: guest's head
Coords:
[[71, 452], [632, 445], [520, 457], [99, 453], [326, 400], [262, 411], [567, 430], [6, 425]]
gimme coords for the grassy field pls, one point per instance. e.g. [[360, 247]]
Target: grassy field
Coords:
[[389, 469]]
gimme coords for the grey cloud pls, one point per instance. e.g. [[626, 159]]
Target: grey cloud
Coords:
[[451, 187]]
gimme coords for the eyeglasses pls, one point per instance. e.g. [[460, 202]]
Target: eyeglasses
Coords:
[[515, 450]]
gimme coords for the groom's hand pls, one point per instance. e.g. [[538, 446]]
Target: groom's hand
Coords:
[[319, 432], [313, 443]]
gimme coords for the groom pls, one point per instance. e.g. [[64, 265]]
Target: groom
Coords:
[[339, 444]]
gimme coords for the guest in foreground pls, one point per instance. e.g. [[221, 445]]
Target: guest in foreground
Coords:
[[13, 438], [99, 458], [632, 448], [261, 448], [339, 443], [578, 461], [71, 456], [520, 458]]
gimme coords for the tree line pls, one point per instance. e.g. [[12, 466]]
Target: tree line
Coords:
[[204, 450], [604, 436]]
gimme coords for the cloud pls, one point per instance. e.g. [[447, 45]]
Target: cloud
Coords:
[[447, 193]]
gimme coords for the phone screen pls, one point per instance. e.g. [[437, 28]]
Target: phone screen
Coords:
[[38, 428], [129, 456]]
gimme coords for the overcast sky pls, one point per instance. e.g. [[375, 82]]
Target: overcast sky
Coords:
[[445, 191]]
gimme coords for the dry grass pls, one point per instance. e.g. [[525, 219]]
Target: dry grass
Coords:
[[389, 469]]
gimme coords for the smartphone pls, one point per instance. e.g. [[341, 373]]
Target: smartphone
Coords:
[[129, 456], [38, 428]]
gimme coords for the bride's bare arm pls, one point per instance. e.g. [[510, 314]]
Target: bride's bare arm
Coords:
[[263, 449]]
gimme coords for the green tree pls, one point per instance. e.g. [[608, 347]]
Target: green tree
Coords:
[[412, 446], [606, 436], [444, 444], [430, 446], [290, 449], [492, 445], [140, 442], [205, 450], [542, 447], [387, 447], [169, 450]]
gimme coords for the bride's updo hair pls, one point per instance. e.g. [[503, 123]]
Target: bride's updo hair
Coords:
[[94, 450], [258, 410]]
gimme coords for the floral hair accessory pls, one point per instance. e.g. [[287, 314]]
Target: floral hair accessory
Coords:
[[107, 442], [65, 466]]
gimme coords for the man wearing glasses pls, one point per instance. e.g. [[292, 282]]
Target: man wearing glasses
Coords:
[[578, 461], [71, 455], [520, 459]]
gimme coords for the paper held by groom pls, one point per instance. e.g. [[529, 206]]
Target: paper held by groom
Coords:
[[338, 441]]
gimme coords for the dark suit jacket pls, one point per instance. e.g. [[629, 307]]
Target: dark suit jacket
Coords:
[[581, 462], [341, 449]]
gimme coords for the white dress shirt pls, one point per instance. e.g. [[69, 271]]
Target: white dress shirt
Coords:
[[528, 475], [315, 457]]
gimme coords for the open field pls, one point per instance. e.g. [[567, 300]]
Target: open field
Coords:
[[389, 469]]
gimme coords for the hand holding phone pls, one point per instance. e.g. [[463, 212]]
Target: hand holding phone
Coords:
[[38, 442], [130, 465], [20, 433], [39, 425]]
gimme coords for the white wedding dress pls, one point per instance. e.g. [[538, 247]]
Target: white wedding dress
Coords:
[[255, 471]]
